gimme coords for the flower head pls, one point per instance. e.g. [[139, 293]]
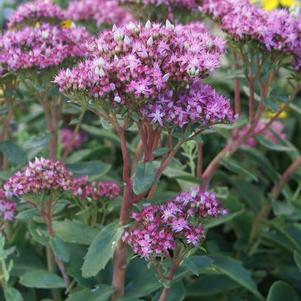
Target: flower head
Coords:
[[157, 229], [84, 189], [7, 208], [138, 66], [39, 176], [100, 11], [41, 47], [35, 12], [71, 141]]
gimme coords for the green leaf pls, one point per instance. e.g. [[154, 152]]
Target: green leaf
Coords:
[[41, 279], [210, 284], [101, 293], [98, 132], [144, 177], [280, 291], [101, 250], [273, 146], [78, 156], [197, 264], [15, 154], [297, 258], [91, 168], [36, 145], [11, 294], [142, 280], [237, 168], [59, 249], [27, 214], [74, 232], [222, 219], [236, 271]]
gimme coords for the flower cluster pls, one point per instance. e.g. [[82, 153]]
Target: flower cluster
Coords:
[[100, 11], [40, 175], [275, 30], [7, 208], [274, 133], [157, 229], [84, 189], [71, 141], [149, 65], [32, 12], [41, 47], [43, 40], [187, 4], [199, 103]]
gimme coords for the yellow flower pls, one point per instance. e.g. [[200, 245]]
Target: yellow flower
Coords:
[[66, 24], [273, 4], [37, 25], [269, 115]]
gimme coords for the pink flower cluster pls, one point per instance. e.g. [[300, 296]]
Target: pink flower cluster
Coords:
[[187, 4], [84, 189], [100, 11], [71, 142], [274, 133], [39, 10], [40, 175], [199, 104], [276, 30], [141, 66], [7, 208], [41, 47], [157, 229]]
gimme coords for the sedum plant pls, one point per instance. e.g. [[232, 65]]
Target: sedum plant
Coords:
[[150, 187]]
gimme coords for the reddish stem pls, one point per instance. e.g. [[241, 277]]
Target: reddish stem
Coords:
[[120, 256], [251, 100], [166, 290]]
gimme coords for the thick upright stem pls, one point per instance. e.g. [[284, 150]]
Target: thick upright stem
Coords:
[[47, 216], [166, 290], [251, 100], [120, 256]]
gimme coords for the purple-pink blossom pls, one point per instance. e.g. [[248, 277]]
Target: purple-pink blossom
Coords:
[[187, 4], [36, 11], [276, 30], [39, 176], [84, 189], [157, 229], [70, 140], [274, 133], [154, 68], [7, 208], [41, 47], [100, 11]]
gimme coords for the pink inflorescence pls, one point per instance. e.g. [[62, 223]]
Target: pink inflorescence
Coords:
[[274, 133], [187, 4], [157, 229], [7, 208], [199, 102], [144, 66], [39, 10], [71, 141], [275, 30], [40, 175], [41, 47], [84, 189], [100, 11]]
